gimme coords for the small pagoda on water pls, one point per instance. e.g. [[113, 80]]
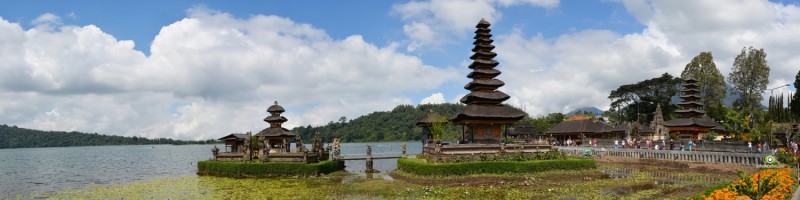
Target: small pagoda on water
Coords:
[[274, 144], [692, 121], [485, 120]]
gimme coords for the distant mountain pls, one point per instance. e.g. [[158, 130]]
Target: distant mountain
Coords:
[[15, 137], [585, 109]]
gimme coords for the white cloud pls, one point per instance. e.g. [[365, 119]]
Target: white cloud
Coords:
[[47, 19], [435, 98], [429, 23], [581, 68], [207, 75]]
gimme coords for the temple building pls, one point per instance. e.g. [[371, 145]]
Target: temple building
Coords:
[[234, 143], [275, 136], [658, 124], [577, 130], [691, 121], [485, 118]]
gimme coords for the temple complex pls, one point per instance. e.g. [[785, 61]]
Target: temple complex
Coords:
[[273, 144], [485, 118], [691, 121]]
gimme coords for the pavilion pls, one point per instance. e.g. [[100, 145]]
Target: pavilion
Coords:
[[426, 122], [577, 130]]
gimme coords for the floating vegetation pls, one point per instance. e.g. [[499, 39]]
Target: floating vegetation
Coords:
[[556, 184]]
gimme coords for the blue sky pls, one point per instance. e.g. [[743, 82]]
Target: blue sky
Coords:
[[198, 66]]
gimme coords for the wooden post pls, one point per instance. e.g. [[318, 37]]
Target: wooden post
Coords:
[[369, 168]]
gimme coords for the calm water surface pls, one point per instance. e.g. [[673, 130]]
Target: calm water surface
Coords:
[[34, 170]]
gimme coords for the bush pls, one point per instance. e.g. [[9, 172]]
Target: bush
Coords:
[[421, 167], [553, 154], [251, 169]]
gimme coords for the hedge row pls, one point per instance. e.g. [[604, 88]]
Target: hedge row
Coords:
[[420, 167], [247, 169]]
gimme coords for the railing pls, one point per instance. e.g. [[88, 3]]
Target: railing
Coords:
[[750, 159], [699, 145]]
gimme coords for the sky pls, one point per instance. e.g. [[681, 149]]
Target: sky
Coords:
[[204, 69]]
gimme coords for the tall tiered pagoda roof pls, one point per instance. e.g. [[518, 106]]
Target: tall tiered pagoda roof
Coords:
[[484, 100], [691, 102], [691, 113]]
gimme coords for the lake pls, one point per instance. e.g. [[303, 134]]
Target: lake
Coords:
[[33, 170]]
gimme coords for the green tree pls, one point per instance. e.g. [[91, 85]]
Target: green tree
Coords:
[[749, 77], [712, 83], [644, 96], [794, 104]]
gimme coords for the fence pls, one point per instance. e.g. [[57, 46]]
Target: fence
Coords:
[[750, 159]]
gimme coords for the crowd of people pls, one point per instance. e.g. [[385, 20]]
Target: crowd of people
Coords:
[[682, 145]]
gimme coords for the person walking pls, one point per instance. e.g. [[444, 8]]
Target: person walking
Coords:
[[681, 145], [691, 144], [616, 144], [671, 144], [749, 146]]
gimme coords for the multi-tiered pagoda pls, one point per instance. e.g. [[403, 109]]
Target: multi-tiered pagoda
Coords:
[[692, 121], [277, 138], [691, 102], [485, 117]]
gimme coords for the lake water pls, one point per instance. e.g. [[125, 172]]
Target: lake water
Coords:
[[34, 170]]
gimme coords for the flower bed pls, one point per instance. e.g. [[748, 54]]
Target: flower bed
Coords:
[[766, 184]]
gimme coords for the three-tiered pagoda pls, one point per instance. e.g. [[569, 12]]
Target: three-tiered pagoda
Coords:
[[692, 120], [276, 137], [485, 117]]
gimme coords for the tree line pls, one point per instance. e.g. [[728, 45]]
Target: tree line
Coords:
[[395, 125], [16, 137]]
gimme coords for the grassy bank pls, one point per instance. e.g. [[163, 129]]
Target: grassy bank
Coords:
[[421, 167], [252, 169]]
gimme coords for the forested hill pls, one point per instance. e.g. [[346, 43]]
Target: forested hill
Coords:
[[394, 125], [15, 137]]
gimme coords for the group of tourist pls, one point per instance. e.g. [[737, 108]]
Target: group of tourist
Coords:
[[654, 145], [761, 147], [637, 144]]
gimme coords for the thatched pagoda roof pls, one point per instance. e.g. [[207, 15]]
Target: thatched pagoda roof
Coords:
[[484, 102]]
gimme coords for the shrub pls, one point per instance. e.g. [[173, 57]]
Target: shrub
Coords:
[[421, 167], [247, 169], [786, 157]]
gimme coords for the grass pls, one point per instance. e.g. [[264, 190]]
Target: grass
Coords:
[[555, 184]]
